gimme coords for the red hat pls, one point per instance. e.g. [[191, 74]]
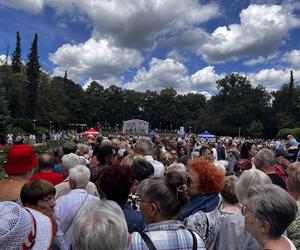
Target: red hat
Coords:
[[20, 159]]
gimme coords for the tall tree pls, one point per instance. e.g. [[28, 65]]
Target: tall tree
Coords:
[[16, 57], [33, 74], [4, 114]]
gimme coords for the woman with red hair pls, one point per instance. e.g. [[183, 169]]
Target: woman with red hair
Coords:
[[201, 214]]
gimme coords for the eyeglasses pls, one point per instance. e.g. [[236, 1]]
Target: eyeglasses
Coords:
[[245, 210], [139, 201]]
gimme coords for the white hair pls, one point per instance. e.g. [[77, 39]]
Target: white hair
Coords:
[[81, 175], [100, 226], [247, 179], [179, 167], [70, 160], [221, 165], [144, 144]]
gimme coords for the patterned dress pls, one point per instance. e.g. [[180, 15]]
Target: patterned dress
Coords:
[[293, 231], [206, 224]]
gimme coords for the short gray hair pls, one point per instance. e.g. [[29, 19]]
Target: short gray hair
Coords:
[[145, 144], [100, 225], [81, 175], [70, 160], [247, 179], [273, 204], [266, 156]]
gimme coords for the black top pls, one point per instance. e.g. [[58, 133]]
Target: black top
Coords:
[[277, 180]]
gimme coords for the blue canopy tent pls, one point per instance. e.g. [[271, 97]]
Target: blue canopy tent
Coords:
[[152, 134], [206, 135]]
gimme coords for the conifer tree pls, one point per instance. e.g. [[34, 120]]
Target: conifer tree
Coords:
[[33, 75], [16, 56], [4, 114]]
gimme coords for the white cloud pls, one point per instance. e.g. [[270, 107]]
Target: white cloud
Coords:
[[255, 61], [272, 79], [105, 83], [32, 6], [261, 31], [4, 59], [292, 58], [204, 79], [95, 59], [170, 73]]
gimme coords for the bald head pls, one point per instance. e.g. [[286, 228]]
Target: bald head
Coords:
[[46, 161]]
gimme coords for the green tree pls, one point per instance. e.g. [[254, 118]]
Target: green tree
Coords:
[[16, 56], [255, 129], [33, 74], [238, 103], [4, 114]]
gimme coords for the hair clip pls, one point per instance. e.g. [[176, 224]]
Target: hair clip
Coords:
[[181, 189]]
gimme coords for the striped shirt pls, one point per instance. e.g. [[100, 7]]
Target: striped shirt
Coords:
[[166, 235]]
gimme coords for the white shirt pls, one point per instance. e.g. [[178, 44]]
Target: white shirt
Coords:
[[159, 169], [66, 209], [63, 188]]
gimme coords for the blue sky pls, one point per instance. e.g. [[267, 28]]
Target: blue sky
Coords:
[[154, 44]]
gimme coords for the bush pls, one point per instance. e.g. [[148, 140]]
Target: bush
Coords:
[[282, 133], [16, 131], [41, 130]]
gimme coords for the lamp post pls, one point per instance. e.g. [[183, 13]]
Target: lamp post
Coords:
[[190, 129], [239, 132], [50, 122], [34, 120]]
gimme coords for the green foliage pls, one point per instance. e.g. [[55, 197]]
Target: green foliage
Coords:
[[41, 130], [282, 133], [255, 129], [16, 131], [16, 56], [238, 103], [25, 124], [33, 74], [4, 114]]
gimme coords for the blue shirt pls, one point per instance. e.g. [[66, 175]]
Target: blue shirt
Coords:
[[166, 235], [134, 219]]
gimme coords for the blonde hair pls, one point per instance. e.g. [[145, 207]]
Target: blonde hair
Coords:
[[294, 177]]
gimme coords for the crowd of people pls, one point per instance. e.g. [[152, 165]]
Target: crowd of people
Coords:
[[152, 193]]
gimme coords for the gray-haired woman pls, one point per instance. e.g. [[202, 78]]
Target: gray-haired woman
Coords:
[[268, 211], [161, 199]]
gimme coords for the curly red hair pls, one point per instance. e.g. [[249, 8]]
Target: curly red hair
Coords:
[[211, 180]]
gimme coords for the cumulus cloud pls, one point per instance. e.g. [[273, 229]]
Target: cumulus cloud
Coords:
[[95, 58], [5, 59], [292, 58], [261, 30], [32, 6], [272, 79], [170, 73]]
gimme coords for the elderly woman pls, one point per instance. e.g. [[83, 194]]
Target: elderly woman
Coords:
[[232, 234], [39, 194], [161, 199], [293, 231], [100, 226], [201, 214], [21, 161], [268, 211]]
